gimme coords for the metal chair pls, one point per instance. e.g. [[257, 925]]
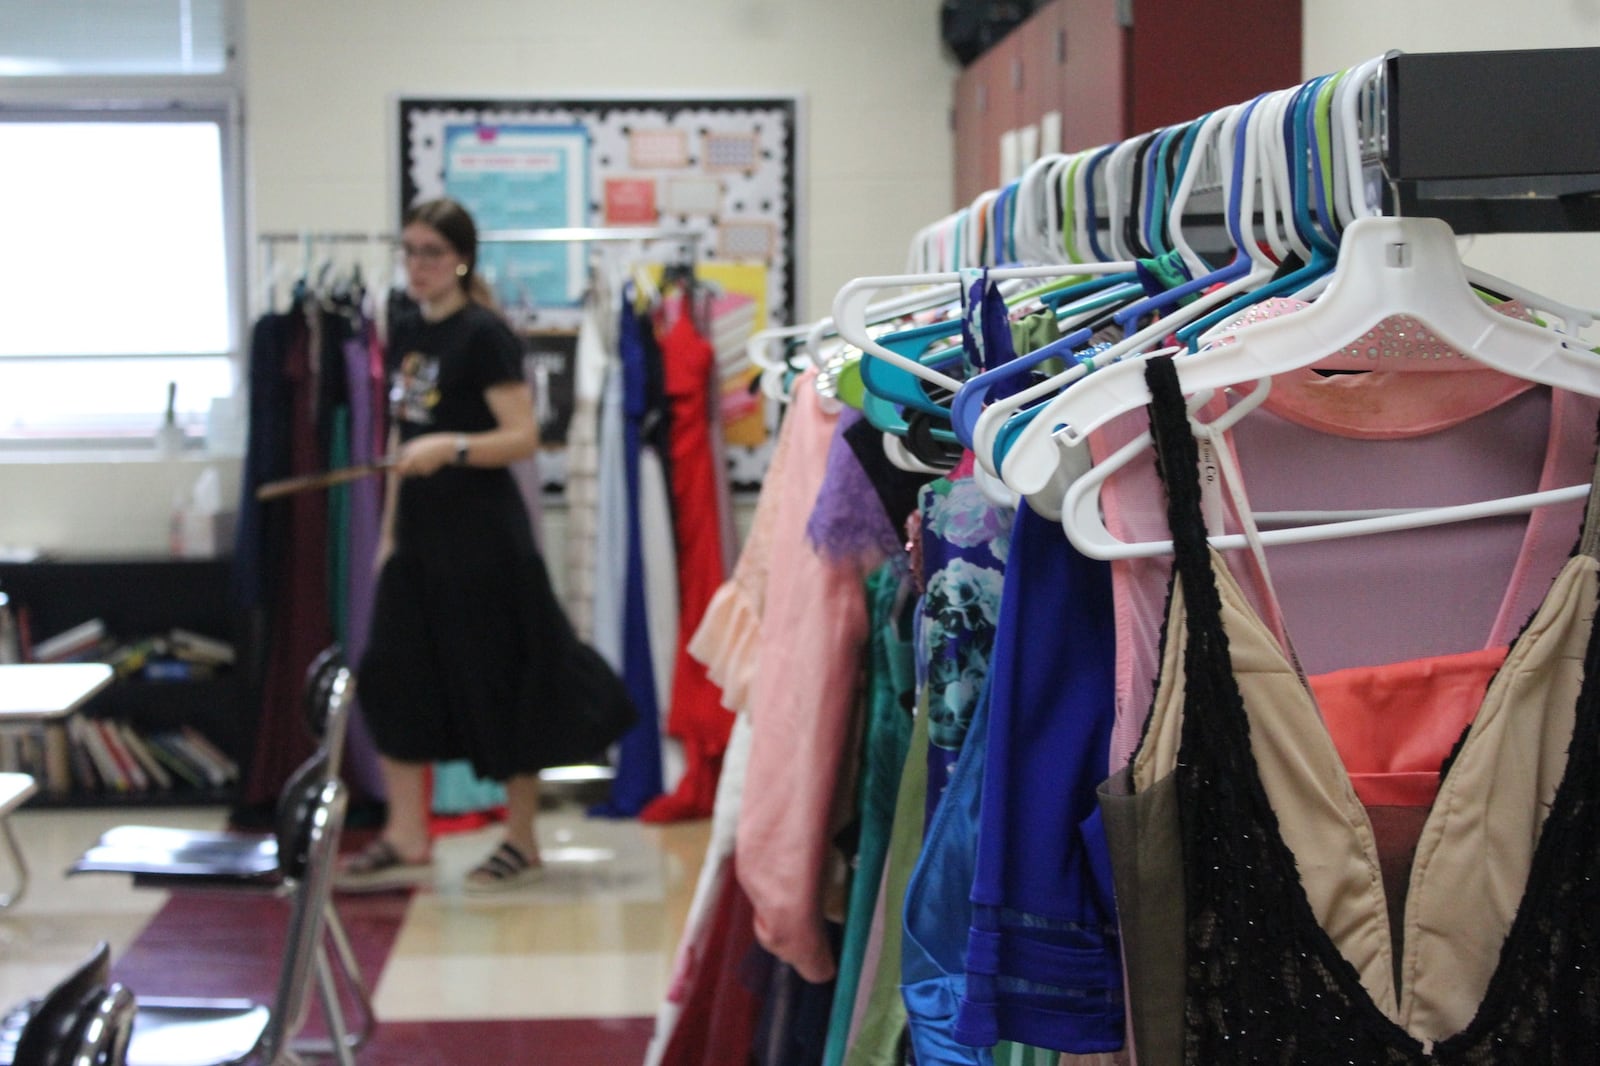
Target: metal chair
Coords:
[[183, 859], [222, 1032], [85, 1020]]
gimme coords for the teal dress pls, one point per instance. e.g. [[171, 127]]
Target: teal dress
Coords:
[[891, 692]]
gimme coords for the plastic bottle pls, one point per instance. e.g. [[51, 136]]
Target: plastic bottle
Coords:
[[169, 438]]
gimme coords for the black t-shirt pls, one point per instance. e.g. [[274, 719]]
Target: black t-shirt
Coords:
[[439, 370]]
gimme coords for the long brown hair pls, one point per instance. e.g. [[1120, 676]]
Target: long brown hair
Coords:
[[454, 223]]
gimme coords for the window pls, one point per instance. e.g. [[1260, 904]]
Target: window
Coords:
[[76, 38], [122, 271]]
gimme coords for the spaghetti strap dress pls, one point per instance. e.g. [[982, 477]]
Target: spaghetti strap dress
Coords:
[[1497, 956]]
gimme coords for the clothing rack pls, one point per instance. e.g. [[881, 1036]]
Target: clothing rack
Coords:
[[691, 239], [551, 235], [1493, 142], [269, 241], [596, 235], [1488, 142], [324, 237], [588, 235]]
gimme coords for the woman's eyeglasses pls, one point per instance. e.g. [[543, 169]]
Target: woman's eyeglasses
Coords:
[[428, 253]]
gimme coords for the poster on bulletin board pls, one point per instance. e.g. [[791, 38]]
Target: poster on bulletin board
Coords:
[[514, 177], [720, 174]]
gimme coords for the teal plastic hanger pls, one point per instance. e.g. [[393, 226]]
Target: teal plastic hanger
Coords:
[[897, 385]]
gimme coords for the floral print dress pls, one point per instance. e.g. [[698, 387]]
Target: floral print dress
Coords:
[[965, 540]]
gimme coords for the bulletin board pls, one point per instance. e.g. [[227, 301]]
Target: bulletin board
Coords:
[[723, 168]]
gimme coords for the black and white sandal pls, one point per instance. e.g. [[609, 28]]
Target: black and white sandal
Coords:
[[506, 868], [380, 868]]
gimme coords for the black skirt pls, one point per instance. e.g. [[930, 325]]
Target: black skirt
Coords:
[[470, 655]]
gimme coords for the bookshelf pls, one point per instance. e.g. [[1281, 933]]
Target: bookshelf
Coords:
[[138, 598]]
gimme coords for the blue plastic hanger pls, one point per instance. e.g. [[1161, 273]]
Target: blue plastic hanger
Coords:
[[1090, 169], [1073, 304], [1159, 184], [978, 390], [1148, 194]]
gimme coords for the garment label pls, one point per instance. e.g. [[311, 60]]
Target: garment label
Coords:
[[1211, 506]]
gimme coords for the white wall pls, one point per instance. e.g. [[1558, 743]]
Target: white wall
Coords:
[[1342, 33], [322, 77], [97, 504], [323, 74]]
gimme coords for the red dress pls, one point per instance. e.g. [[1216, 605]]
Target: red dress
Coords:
[[696, 716]]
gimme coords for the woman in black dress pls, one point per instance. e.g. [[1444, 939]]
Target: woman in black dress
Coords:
[[452, 669]]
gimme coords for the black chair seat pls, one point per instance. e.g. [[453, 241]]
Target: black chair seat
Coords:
[[146, 849]]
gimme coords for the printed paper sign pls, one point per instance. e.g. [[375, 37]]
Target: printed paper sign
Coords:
[[692, 196], [630, 202], [658, 149]]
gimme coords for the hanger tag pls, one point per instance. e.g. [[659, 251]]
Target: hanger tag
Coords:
[[1211, 505]]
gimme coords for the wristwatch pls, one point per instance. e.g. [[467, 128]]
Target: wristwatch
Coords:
[[461, 449]]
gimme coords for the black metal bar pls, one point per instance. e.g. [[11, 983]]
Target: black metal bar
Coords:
[[1495, 141]]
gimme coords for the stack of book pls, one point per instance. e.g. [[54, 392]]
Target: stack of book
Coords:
[[178, 655], [93, 754], [108, 756], [85, 642]]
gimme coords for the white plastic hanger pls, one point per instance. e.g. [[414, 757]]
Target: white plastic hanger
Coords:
[[1386, 266], [758, 349], [1277, 185], [1032, 232], [894, 448], [1357, 86], [926, 299], [1080, 509], [1057, 222], [1207, 170], [1118, 171]]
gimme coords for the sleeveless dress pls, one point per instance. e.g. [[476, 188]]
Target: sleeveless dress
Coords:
[[1286, 938]]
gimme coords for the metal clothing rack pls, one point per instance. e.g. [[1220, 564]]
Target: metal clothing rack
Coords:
[[547, 235], [1493, 142], [324, 237], [588, 235], [690, 239], [550, 235]]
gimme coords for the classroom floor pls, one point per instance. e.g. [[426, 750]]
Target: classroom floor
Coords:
[[568, 970]]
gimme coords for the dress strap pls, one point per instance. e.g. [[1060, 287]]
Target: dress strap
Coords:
[[1590, 543], [1178, 465], [1214, 712]]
